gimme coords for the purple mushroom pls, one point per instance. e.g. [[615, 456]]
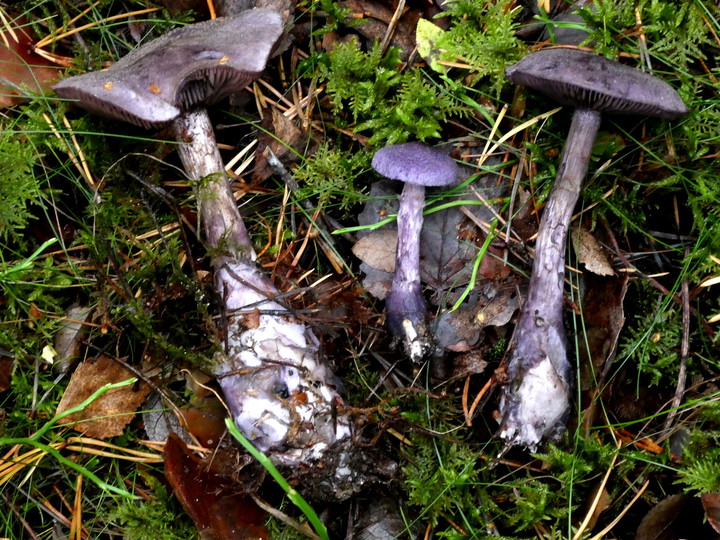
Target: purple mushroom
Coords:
[[418, 166], [536, 399], [279, 393]]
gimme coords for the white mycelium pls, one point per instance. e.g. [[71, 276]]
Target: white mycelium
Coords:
[[281, 396]]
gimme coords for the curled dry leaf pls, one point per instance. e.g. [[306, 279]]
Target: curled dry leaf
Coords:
[[108, 415], [590, 253]]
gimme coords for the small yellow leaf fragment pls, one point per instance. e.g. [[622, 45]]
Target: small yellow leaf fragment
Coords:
[[49, 354], [155, 89], [224, 60], [108, 85]]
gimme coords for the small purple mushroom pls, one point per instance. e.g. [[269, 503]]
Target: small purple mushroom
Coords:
[[536, 399], [418, 166]]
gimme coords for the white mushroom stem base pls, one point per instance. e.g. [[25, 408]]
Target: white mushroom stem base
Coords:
[[281, 397], [536, 399]]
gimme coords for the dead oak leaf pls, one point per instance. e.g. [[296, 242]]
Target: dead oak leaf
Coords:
[[590, 253], [108, 415]]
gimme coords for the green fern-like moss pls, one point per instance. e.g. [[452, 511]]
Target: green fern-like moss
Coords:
[[18, 187], [700, 468], [390, 106]]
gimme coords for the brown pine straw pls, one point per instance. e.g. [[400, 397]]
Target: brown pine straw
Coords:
[[469, 413], [76, 527], [47, 40], [12, 462]]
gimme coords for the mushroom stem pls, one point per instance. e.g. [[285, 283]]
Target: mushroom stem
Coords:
[[405, 305], [270, 358], [219, 215], [536, 402]]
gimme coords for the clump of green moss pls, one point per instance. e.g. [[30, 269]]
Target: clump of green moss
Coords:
[[19, 189], [391, 105]]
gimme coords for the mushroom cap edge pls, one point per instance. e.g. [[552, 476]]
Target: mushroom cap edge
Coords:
[[583, 79]]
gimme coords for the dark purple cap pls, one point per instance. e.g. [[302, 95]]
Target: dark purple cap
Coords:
[[415, 163], [198, 63], [582, 79]]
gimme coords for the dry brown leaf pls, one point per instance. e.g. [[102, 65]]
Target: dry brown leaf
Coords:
[[21, 70], [589, 252], [108, 415], [377, 249], [284, 138], [604, 318], [711, 505]]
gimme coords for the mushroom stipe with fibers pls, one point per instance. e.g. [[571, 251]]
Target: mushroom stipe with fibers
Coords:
[[535, 401], [280, 395], [418, 166]]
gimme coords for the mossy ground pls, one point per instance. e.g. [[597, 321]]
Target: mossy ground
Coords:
[[128, 249]]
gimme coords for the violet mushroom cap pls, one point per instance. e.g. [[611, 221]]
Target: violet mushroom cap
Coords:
[[535, 402], [418, 166], [198, 63], [583, 79]]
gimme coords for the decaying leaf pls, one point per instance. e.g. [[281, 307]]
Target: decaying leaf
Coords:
[[674, 518], [711, 504], [491, 305], [213, 501], [377, 15], [68, 340], [603, 504], [6, 368], [21, 70], [604, 318], [108, 415], [589, 252], [380, 519], [377, 249], [159, 422]]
